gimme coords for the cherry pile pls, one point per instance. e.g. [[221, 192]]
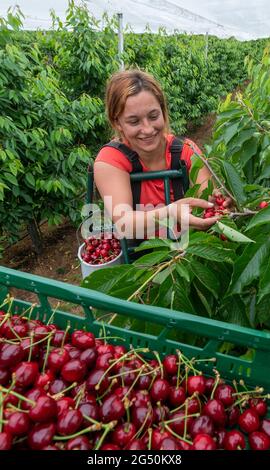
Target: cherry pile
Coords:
[[62, 391], [217, 209], [100, 250]]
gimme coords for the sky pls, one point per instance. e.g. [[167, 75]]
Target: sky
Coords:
[[244, 19]]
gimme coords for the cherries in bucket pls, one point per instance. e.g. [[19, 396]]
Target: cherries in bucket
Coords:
[[100, 250]]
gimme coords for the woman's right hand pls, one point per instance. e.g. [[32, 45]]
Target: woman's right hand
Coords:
[[194, 222]]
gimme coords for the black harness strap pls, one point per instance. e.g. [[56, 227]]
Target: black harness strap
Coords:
[[176, 163], [133, 157]]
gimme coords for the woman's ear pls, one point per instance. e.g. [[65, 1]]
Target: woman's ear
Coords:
[[118, 126]]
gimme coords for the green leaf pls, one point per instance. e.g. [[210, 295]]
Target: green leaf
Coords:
[[153, 243], [264, 285], [248, 266], [182, 270], [151, 259], [232, 234], [235, 183], [181, 301], [162, 275], [11, 178], [261, 218], [205, 276], [262, 311], [234, 311], [104, 279], [211, 253], [230, 132], [246, 152], [30, 179], [203, 300]]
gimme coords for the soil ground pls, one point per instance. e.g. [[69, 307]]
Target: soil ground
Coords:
[[59, 258]]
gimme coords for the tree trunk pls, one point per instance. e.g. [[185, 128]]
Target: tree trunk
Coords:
[[35, 235]]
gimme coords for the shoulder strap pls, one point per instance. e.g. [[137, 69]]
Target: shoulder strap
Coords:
[[176, 163], [133, 157]]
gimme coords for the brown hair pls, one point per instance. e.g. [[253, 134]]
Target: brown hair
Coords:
[[129, 83]]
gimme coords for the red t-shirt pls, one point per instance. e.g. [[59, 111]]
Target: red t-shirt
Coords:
[[152, 191]]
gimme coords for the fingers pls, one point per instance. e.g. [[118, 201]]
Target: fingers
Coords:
[[228, 202], [197, 202], [202, 224]]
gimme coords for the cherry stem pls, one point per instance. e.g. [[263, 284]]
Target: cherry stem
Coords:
[[107, 429], [134, 383], [250, 392], [177, 435], [143, 424], [62, 393], [182, 417], [65, 334], [145, 350], [18, 395], [31, 345], [47, 353], [217, 380], [150, 432], [178, 368], [160, 364]]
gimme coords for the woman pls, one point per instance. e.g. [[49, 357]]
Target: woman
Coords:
[[137, 111]]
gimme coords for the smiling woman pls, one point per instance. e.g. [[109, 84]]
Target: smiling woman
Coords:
[[137, 112]]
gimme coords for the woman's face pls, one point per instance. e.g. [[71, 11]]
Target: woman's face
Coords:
[[142, 123]]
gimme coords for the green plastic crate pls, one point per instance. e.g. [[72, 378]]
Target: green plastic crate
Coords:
[[253, 372]]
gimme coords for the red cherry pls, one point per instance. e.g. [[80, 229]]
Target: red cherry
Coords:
[[215, 410], [41, 435], [234, 440], [249, 421], [69, 422], [5, 441], [169, 443], [259, 441], [82, 339], [263, 204], [57, 358], [112, 409], [176, 396], [136, 444], [160, 390], [123, 434], [18, 424], [203, 442], [224, 393], [10, 355], [26, 373], [259, 405], [196, 383], [265, 426], [64, 404], [158, 435], [44, 410], [110, 446], [170, 364], [202, 425], [78, 443], [73, 371]]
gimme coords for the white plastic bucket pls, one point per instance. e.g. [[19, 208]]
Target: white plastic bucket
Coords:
[[89, 268]]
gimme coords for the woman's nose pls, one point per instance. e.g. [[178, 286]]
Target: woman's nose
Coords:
[[147, 126]]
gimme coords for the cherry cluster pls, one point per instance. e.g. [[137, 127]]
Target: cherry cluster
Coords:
[[62, 391], [217, 209], [101, 250]]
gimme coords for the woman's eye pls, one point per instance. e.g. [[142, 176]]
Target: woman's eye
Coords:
[[154, 116]]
